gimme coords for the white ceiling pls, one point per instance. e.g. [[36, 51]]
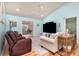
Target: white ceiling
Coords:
[[32, 9]]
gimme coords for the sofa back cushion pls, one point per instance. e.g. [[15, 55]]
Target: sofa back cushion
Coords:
[[18, 36], [12, 36], [16, 33], [9, 40]]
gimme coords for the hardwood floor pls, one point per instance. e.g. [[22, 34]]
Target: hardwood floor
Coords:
[[34, 53], [75, 52]]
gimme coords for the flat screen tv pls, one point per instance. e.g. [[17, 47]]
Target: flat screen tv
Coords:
[[49, 27]]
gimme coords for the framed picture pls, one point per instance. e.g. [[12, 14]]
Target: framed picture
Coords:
[[27, 27]]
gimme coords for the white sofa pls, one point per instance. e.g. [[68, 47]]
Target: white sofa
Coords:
[[50, 43]]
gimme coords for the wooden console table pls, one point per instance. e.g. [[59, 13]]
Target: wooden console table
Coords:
[[67, 42]]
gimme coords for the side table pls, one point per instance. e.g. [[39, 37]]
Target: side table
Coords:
[[67, 42]]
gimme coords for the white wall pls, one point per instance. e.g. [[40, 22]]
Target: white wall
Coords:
[[59, 16]]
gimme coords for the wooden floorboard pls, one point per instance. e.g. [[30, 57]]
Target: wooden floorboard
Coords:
[[34, 53]]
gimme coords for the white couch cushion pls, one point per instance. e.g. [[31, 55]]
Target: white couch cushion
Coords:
[[53, 36], [47, 39], [44, 34]]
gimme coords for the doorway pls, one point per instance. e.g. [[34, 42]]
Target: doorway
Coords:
[[71, 26]]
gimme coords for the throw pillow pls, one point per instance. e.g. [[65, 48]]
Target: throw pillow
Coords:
[[53, 36]]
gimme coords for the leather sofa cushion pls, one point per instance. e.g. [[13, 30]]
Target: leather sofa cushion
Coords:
[[18, 36], [47, 39], [13, 37], [16, 33], [10, 42]]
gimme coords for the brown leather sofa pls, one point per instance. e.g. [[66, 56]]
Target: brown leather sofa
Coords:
[[18, 45]]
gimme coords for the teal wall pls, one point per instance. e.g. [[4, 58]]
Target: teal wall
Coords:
[[2, 26], [66, 10], [2, 31], [36, 29], [59, 15]]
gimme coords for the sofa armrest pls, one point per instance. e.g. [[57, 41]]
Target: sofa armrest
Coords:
[[22, 44]]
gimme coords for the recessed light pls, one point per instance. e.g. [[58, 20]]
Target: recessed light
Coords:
[[41, 6], [17, 9], [42, 15]]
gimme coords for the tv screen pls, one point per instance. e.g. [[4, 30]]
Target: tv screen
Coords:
[[49, 27]]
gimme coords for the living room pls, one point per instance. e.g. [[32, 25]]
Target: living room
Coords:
[[29, 18]]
